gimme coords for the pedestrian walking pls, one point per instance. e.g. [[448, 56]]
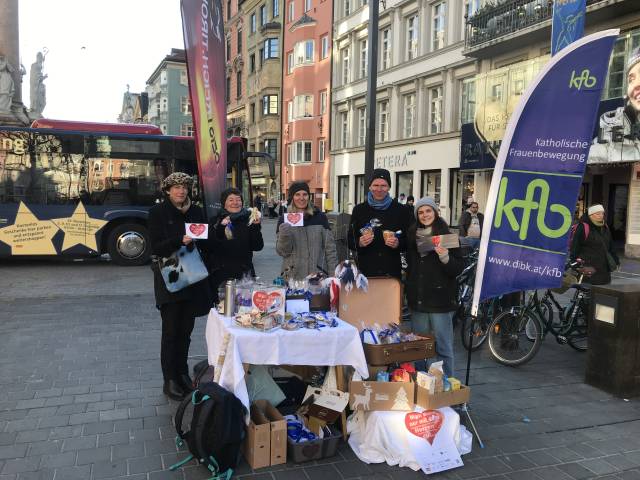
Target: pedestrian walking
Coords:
[[307, 249], [378, 248], [471, 222], [431, 280], [178, 309], [592, 242]]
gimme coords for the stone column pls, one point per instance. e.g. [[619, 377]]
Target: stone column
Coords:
[[9, 42]]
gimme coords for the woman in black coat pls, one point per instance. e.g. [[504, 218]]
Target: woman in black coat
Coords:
[[178, 310], [431, 280], [235, 237]]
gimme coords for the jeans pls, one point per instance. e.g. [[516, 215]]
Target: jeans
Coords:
[[441, 325]]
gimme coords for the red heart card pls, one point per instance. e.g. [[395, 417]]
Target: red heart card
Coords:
[[424, 425], [294, 219], [197, 230]]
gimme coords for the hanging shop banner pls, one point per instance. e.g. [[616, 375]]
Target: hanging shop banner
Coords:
[[203, 38], [539, 172], [567, 25]]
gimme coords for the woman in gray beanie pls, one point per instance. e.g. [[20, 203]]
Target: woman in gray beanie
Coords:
[[431, 280]]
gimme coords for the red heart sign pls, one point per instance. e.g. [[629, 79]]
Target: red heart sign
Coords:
[[267, 301], [294, 218], [197, 228], [436, 241], [424, 425]]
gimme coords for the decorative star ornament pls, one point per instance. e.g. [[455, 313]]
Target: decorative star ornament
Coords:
[[29, 235], [79, 229]]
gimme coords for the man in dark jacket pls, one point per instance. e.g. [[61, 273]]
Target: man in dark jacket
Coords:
[[378, 229], [592, 243], [471, 224]]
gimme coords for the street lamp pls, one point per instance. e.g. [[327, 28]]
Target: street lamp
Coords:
[[372, 80]]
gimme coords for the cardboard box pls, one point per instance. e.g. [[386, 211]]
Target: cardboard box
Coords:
[[266, 442], [366, 395], [443, 399], [326, 406]]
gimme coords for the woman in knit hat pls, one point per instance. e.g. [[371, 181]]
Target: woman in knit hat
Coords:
[[307, 249], [236, 234], [431, 279], [592, 242], [177, 310]]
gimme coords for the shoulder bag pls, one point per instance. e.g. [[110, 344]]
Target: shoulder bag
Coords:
[[182, 268]]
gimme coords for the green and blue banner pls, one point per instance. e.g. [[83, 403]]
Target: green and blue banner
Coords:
[[539, 172], [568, 23]]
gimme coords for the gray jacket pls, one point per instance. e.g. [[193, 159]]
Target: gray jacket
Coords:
[[308, 249]]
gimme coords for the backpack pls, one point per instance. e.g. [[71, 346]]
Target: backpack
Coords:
[[574, 227], [216, 432]]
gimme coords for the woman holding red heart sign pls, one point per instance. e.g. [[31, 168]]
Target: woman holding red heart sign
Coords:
[[307, 248]]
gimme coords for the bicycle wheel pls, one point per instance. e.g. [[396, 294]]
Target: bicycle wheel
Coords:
[[508, 339], [577, 337], [480, 329]]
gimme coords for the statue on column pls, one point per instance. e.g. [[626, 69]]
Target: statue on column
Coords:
[[7, 85], [38, 91]]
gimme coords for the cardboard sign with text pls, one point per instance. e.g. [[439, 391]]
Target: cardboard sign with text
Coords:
[[365, 395]]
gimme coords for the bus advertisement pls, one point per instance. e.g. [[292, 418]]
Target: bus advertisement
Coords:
[[84, 189]]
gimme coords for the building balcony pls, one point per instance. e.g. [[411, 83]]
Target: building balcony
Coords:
[[511, 24], [270, 26]]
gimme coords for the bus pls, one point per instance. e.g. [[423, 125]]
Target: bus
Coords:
[[82, 189]]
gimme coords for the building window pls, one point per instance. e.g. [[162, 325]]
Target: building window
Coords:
[[239, 84], [438, 15], [471, 7], [271, 147], [468, 100], [383, 121], [290, 111], [275, 8], [300, 152], [435, 110], [263, 15], [252, 63], [252, 112], [343, 193], [228, 89], [228, 9], [228, 49], [183, 77], [271, 48], [186, 130], [324, 47], [344, 129], [363, 58], [344, 55], [307, 5], [362, 125], [385, 55], [409, 109], [347, 7], [270, 105], [412, 37], [302, 106], [253, 23], [291, 11], [185, 105], [430, 185], [290, 63], [239, 36], [303, 52], [616, 83], [360, 188], [321, 150], [323, 102]]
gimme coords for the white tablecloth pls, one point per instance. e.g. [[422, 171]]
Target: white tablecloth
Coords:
[[325, 347]]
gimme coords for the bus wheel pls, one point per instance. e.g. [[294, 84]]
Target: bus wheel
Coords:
[[129, 245]]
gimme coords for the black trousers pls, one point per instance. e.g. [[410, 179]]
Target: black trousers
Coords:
[[177, 325]]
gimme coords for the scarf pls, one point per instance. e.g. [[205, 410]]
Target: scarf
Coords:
[[185, 206], [241, 216], [379, 205], [597, 224]]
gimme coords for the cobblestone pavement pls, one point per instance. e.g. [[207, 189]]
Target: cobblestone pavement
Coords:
[[80, 393]]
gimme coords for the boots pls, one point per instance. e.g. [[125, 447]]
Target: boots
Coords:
[[174, 390]]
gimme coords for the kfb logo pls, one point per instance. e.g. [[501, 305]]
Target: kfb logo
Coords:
[[528, 205], [585, 79]]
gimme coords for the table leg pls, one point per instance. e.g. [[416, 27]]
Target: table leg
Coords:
[[340, 385]]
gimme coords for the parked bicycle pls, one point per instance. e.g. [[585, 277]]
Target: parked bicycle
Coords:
[[516, 335]]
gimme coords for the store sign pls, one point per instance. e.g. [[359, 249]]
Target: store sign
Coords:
[[392, 162], [539, 172]]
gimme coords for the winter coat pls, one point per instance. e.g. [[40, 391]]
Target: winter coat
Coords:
[[465, 222], [166, 229], [376, 259], [431, 285], [307, 249], [593, 250], [233, 258]]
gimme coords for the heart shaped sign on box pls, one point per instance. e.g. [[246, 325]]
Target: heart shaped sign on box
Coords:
[[294, 219], [425, 424], [267, 301]]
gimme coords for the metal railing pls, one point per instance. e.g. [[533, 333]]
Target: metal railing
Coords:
[[496, 20]]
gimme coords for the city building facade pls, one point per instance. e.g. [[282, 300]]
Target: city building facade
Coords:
[[511, 43], [421, 72], [306, 90], [167, 89], [235, 53]]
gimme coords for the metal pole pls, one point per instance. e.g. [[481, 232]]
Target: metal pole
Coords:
[[372, 80]]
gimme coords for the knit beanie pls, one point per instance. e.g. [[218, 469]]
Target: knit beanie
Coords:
[[229, 191], [177, 178], [595, 209], [381, 173], [296, 187], [426, 201], [634, 58]]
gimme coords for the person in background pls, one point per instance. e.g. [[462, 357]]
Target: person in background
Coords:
[[257, 202], [431, 281], [378, 249], [402, 200], [471, 225], [177, 310], [310, 248], [233, 240], [592, 242], [410, 202]]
